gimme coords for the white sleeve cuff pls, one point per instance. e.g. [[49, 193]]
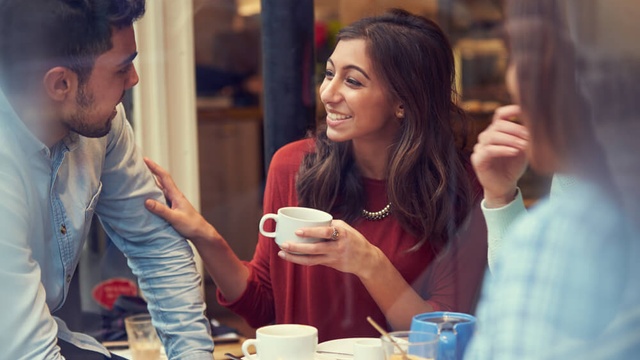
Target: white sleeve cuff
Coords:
[[498, 222]]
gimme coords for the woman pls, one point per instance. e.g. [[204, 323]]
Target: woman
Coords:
[[565, 283], [388, 148]]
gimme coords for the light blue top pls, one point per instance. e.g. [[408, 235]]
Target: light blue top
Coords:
[[565, 284], [47, 200]]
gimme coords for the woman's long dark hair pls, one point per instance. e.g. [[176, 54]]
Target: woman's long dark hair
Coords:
[[428, 178]]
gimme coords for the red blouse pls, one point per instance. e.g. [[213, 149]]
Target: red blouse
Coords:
[[337, 303]]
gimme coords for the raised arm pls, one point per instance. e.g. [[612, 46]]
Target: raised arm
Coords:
[[499, 160], [160, 258], [351, 252], [450, 283], [225, 268]]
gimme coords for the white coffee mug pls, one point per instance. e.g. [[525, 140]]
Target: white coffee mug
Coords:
[[368, 349], [283, 342], [290, 219]]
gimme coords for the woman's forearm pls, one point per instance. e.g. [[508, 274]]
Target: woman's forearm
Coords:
[[226, 269], [398, 301]]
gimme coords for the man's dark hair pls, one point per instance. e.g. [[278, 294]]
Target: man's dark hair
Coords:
[[36, 35]]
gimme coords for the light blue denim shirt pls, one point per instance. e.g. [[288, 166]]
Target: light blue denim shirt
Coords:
[[47, 200]]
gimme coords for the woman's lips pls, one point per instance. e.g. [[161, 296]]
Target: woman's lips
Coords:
[[336, 116], [334, 119]]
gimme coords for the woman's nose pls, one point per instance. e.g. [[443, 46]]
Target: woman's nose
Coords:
[[329, 91]]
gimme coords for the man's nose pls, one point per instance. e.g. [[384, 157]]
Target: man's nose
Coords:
[[133, 78]]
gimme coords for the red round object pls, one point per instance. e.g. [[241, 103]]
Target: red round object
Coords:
[[106, 292]]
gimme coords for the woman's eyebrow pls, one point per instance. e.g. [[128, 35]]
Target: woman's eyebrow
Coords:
[[351, 67], [357, 68]]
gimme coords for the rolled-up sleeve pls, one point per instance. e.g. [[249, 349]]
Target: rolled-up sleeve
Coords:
[[498, 222], [160, 258]]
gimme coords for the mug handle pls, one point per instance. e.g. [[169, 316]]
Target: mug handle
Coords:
[[264, 218], [245, 348], [448, 344]]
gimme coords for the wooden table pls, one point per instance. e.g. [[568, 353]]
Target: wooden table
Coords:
[[220, 349]]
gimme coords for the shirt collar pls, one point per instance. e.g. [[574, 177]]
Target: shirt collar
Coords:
[[25, 138], [71, 141]]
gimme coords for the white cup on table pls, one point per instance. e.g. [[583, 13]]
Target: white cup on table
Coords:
[[283, 342], [368, 349], [290, 219]]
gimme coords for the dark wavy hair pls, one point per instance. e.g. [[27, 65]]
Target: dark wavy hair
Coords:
[[428, 175], [36, 35]]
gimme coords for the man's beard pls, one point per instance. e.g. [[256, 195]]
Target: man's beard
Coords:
[[77, 122]]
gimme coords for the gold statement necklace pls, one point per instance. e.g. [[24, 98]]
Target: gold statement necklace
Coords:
[[377, 215]]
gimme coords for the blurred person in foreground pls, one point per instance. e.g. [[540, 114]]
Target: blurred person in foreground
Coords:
[[389, 147], [67, 151], [564, 284], [499, 160]]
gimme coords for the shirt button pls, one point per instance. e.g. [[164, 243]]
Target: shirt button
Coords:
[[63, 229], [68, 278]]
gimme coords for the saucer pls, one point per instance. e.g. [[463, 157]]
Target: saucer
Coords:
[[341, 348], [126, 353], [317, 357], [338, 349]]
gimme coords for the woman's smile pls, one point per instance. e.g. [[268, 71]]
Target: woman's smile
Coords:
[[335, 119]]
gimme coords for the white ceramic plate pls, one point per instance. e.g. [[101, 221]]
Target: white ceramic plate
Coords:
[[339, 349], [318, 357], [126, 353]]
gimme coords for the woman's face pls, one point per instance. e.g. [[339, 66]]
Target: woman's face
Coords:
[[357, 102]]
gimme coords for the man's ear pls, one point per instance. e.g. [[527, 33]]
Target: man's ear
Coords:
[[59, 82]]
